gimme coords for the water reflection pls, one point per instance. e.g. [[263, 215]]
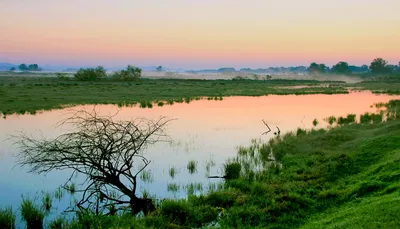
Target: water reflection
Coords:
[[205, 132]]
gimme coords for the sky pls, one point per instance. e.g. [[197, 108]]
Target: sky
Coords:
[[199, 34]]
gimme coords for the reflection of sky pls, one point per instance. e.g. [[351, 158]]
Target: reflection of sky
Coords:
[[203, 131]]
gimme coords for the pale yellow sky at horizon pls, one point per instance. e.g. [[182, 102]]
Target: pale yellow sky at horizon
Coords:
[[199, 34]]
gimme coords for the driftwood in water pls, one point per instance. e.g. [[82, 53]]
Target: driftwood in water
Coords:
[[223, 177], [269, 129]]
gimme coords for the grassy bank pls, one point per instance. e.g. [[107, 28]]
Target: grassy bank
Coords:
[[386, 85], [30, 94]]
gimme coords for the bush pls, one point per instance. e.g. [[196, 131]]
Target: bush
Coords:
[[131, 73], [91, 74], [7, 218], [62, 76]]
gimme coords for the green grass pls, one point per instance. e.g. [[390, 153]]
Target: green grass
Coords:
[[32, 214], [172, 172], [23, 94], [7, 218], [385, 85], [192, 167], [375, 212]]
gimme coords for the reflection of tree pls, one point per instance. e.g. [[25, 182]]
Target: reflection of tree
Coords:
[[107, 152]]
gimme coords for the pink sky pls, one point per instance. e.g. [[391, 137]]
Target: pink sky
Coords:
[[199, 34]]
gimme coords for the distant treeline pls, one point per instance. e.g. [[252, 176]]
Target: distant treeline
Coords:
[[377, 66], [25, 67]]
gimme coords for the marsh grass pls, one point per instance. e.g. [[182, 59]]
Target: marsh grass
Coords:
[[143, 104], [192, 166], [232, 170], [71, 188], [331, 120], [146, 176], [59, 193], [45, 93], [58, 223], [315, 122], [209, 164], [174, 188], [193, 188], [32, 214], [351, 118], [47, 202], [7, 218], [172, 172]]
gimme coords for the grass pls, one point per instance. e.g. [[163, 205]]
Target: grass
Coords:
[[381, 85], [23, 94], [375, 212], [146, 176], [315, 122], [192, 166], [173, 187], [32, 214], [172, 172], [7, 218]]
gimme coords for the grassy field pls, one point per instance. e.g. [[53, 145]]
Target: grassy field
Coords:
[[30, 94]]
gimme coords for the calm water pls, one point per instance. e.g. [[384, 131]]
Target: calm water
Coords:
[[205, 131]]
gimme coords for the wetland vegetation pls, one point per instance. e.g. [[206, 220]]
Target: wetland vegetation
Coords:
[[19, 94], [307, 178], [26, 93]]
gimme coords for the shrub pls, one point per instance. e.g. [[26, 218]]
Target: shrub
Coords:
[[239, 78], [131, 73], [91, 74], [7, 218]]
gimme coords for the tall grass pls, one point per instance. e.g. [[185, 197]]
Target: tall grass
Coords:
[[146, 176], [32, 214], [232, 170], [7, 218], [315, 122], [172, 172], [173, 188], [192, 167]]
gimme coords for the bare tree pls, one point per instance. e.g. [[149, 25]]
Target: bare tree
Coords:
[[108, 153]]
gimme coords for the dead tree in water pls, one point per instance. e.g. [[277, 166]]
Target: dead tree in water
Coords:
[[269, 129], [108, 153]]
